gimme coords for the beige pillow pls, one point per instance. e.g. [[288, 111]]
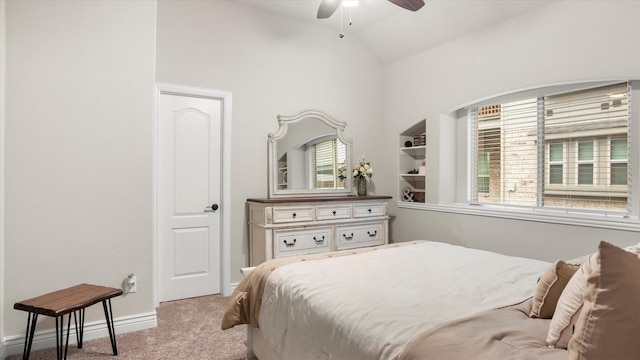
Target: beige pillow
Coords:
[[549, 288], [609, 323], [569, 305], [579, 260]]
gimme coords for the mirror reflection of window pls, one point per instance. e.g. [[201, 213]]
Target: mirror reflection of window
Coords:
[[328, 157]]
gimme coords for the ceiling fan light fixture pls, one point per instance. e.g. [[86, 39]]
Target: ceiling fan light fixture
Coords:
[[328, 7]]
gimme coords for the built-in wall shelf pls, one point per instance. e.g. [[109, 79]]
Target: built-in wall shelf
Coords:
[[412, 165], [282, 172], [414, 150]]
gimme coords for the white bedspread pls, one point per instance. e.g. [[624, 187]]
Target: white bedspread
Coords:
[[368, 306]]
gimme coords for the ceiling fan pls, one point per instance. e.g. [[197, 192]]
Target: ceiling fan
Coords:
[[328, 7]]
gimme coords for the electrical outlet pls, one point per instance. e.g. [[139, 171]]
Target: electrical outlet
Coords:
[[131, 283]]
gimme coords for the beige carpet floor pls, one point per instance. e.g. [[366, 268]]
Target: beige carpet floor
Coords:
[[187, 329]]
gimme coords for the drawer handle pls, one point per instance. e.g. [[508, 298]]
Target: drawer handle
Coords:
[[374, 233], [369, 211], [294, 214], [290, 244], [334, 213], [348, 237], [319, 241]]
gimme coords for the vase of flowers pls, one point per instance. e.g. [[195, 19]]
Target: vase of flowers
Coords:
[[362, 187], [361, 175], [342, 173]]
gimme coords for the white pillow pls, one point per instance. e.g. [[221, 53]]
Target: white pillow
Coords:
[[570, 304]]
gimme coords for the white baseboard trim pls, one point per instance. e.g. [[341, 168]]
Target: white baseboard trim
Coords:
[[2, 350], [232, 287], [92, 330]]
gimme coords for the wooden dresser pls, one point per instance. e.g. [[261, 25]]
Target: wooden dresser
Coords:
[[296, 226]]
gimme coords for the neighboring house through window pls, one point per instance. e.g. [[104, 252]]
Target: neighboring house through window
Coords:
[[567, 150]]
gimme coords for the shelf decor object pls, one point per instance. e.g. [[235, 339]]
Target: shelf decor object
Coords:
[[412, 164]]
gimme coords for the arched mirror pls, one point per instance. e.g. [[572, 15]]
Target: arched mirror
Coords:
[[309, 156]]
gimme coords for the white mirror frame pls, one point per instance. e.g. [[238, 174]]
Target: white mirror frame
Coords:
[[284, 121]]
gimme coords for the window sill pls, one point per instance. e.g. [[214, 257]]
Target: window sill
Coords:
[[613, 222]]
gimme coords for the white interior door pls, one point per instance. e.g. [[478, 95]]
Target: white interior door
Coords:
[[189, 183]]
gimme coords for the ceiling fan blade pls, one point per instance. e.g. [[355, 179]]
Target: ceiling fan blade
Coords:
[[327, 8], [413, 5]]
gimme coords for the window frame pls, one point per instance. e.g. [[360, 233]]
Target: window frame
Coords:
[[458, 202], [576, 188]]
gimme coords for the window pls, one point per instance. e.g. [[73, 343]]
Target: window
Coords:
[[600, 162], [556, 163], [327, 157], [567, 150], [483, 172], [585, 162], [489, 151], [618, 160]]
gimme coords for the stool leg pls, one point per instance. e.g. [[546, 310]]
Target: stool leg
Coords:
[[28, 340], [59, 330], [108, 314], [66, 345], [79, 327], [61, 351]]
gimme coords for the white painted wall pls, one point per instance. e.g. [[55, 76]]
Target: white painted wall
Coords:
[[3, 60], [558, 43], [78, 172], [79, 122], [273, 65]]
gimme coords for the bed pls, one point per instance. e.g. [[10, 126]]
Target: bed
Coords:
[[421, 300]]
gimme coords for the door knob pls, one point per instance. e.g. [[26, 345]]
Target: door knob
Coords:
[[211, 208]]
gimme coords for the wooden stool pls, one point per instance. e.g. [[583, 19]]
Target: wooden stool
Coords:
[[70, 300]]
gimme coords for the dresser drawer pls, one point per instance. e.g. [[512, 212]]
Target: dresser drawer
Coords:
[[365, 210], [298, 226], [359, 235], [330, 212], [299, 241], [284, 214]]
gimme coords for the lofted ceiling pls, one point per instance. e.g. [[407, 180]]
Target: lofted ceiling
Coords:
[[392, 33]]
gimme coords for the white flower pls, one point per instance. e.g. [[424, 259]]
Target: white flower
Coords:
[[363, 170]]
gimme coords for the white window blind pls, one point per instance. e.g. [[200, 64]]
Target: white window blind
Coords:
[[328, 157], [565, 151]]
